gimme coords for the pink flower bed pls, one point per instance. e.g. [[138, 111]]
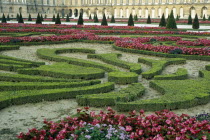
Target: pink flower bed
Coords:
[[158, 126], [138, 44], [199, 42]]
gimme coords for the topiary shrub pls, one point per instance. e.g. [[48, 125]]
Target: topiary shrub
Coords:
[[80, 20], [96, 18], [90, 17], [3, 19], [67, 18], [38, 19], [177, 18], [58, 20], [130, 20], [53, 19], [162, 21], [195, 24], [189, 20], [171, 23], [42, 19], [204, 17], [104, 21], [136, 18], [20, 19], [112, 19], [8, 18], [17, 17], [149, 20], [29, 17]]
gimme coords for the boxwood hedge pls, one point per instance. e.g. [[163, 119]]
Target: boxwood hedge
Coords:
[[8, 98], [130, 93], [180, 74], [177, 94], [51, 54], [65, 70], [113, 58], [158, 65], [123, 77]]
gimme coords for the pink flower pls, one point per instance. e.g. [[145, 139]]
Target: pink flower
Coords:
[[128, 128]]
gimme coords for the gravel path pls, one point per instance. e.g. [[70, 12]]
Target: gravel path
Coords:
[[19, 118]]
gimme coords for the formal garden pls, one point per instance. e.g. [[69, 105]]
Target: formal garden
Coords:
[[104, 82]]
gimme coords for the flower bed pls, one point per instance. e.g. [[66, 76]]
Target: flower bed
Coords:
[[89, 125]]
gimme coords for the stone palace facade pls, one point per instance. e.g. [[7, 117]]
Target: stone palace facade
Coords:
[[118, 8]]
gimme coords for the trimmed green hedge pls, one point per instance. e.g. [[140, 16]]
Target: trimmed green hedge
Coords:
[[51, 54], [181, 74], [8, 98], [123, 77], [160, 54], [131, 93], [65, 70], [177, 94], [8, 86], [13, 62], [8, 67], [204, 74], [22, 60], [29, 78], [112, 58], [9, 47], [208, 67], [158, 65]]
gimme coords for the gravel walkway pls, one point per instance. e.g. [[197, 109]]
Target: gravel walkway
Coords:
[[19, 118]]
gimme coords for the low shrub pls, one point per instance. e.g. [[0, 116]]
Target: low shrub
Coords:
[[181, 74], [130, 93], [158, 65], [123, 77], [112, 58], [65, 70]]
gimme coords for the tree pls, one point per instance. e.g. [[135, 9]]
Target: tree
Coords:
[[42, 17], [162, 21], [189, 20], [3, 19], [204, 17], [67, 18], [38, 19], [130, 20], [171, 24], [177, 18], [96, 18], [195, 24], [17, 17], [112, 19], [53, 19], [136, 18], [8, 18], [209, 18], [80, 20], [149, 20], [20, 19], [90, 17], [45, 16], [58, 20], [104, 21], [29, 17]]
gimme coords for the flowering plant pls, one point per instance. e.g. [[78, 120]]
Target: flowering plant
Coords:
[[100, 132], [159, 126]]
